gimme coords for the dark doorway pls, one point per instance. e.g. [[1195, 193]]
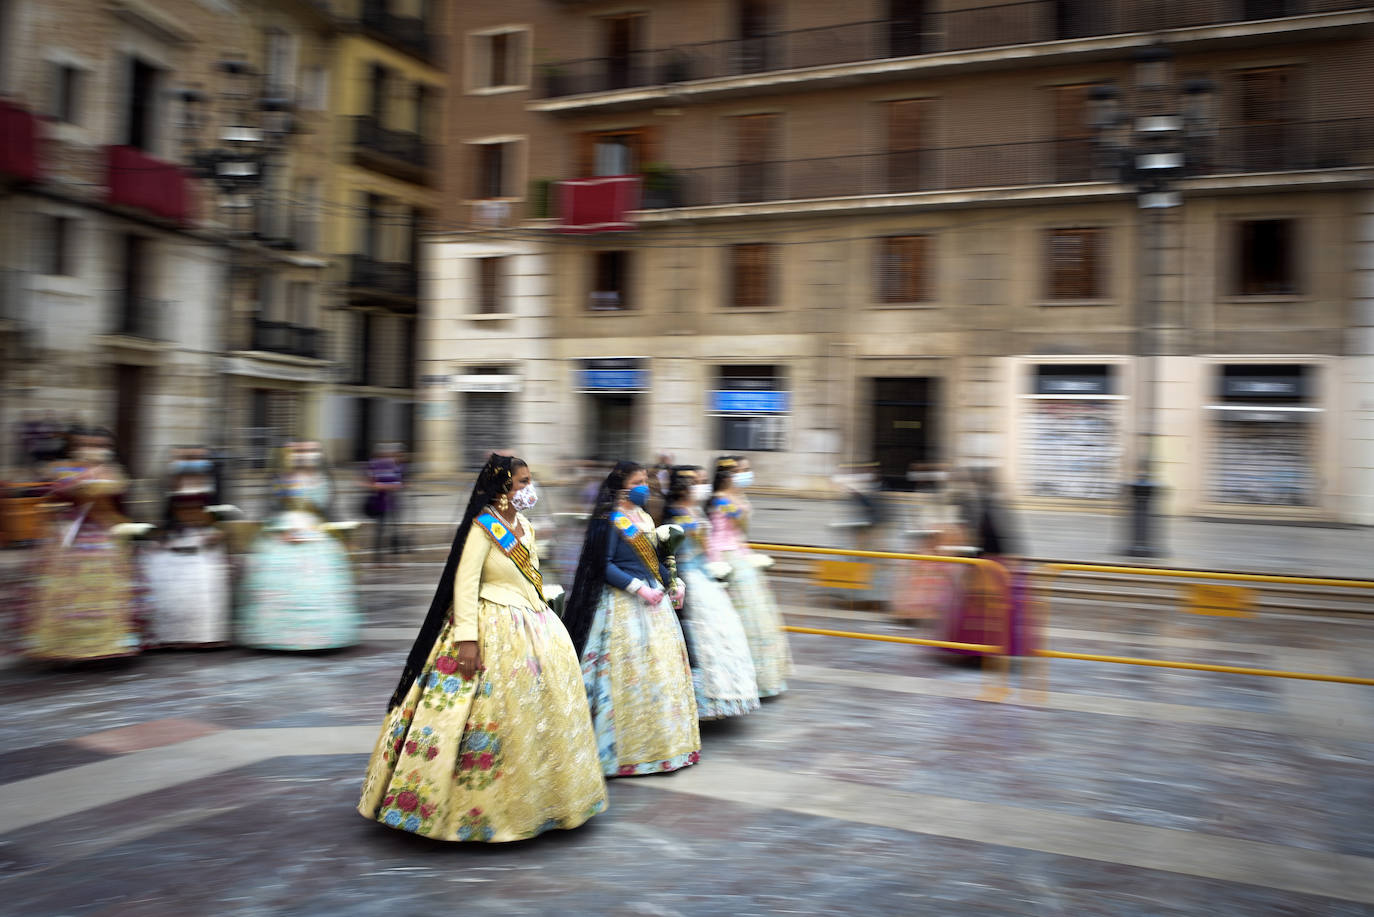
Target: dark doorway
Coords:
[[128, 400], [905, 20], [905, 431], [610, 434]]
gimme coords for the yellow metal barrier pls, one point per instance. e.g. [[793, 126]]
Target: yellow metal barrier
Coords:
[[1042, 604], [995, 655]]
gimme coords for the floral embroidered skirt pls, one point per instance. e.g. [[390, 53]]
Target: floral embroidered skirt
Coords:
[[722, 669], [189, 596], [502, 757], [639, 686], [298, 596], [762, 624], [84, 603]]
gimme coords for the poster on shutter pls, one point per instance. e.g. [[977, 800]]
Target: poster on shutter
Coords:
[[1264, 459], [1073, 449]]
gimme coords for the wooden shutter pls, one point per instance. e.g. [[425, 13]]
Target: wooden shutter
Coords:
[[1265, 95], [489, 285], [905, 137], [1075, 268], [1073, 135], [756, 138], [751, 271], [902, 269]]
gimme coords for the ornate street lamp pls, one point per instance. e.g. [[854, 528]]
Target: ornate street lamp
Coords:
[[1148, 141]]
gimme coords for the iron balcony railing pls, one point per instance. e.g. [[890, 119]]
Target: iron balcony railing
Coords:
[[987, 26], [405, 146], [285, 338], [408, 32], [1280, 147], [397, 278], [141, 317]]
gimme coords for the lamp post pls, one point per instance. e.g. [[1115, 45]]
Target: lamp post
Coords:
[[1148, 140], [252, 130]]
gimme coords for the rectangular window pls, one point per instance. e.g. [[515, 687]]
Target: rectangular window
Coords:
[[280, 64], [751, 275], [299, 294], [489, 291], [141, 105], [906, 130], [1265, 258], [57, 241], [492, 167], [621, 37], [616, 152], [66, 94], [756, 51], [902, 274], [756, 153], [751, 404], [498, 60], [610, 282], [315, 91], [1267, 135], [1073, 135], [1076, 264]]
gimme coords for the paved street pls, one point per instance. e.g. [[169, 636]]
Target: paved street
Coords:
[[223, 782]]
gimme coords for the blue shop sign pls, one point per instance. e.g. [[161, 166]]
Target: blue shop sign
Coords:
[[749, 402], [616, 374]]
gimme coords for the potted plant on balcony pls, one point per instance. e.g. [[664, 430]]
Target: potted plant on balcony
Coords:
[[660, 186], [541, 198]]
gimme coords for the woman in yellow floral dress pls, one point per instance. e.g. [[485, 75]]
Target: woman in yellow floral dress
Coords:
[[488, 736]]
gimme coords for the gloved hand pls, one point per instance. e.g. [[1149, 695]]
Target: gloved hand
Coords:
[[652, 596], [679, 593]]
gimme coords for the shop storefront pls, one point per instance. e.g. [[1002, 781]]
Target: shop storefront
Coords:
[[1264, 431], [751, 406], [487, 410], [1072, 422], [614, 389]]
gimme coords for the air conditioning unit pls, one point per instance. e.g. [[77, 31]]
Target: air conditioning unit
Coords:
[[491, 213]]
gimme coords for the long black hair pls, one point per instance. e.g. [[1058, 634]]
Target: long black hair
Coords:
[[495, 479], [591, 565]]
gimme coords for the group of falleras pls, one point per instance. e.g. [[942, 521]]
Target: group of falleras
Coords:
[[507, 719]]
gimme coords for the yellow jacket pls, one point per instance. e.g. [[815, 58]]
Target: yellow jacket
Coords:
[[486, 574]]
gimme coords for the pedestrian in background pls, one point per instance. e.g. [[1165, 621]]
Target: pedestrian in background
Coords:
[[385, 481], [487, 736]]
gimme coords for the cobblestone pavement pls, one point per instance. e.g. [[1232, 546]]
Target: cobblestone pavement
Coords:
[[223, 782]]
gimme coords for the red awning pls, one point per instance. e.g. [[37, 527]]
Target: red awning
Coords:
[[18, 142], [598, 204], [135, 179]]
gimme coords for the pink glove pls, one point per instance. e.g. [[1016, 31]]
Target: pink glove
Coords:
[[652, 596]]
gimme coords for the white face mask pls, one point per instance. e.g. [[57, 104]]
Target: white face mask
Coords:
[[743, 479], [524, 499], [700, 492]]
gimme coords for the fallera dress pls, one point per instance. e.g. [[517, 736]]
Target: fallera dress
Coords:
[[505, 755], [634, 665], [753, 600], [722, 668]]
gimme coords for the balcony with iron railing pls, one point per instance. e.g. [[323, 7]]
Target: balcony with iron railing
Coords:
[[396, 279], [409, 33], [287, 339], [1250, 150], [402, 154], [994, 25]]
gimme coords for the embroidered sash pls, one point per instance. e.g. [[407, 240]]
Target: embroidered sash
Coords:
[[638, 540], [513, 548], [693, 526]]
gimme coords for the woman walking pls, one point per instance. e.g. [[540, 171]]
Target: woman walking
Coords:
[[487, 736], [621, 619], [722, 669], [728, 511]]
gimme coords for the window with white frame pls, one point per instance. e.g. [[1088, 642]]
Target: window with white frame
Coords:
[[494, 169], [497, 59]]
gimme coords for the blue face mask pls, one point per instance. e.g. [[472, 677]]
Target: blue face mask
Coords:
[[639, 495]]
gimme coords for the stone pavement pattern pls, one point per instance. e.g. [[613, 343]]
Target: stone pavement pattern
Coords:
[[223, 783]]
